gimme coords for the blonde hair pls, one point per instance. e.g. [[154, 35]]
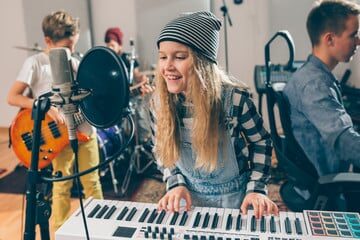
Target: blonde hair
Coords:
[[60, 25], [204, 93]]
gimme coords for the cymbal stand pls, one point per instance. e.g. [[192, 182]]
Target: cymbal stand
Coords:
[[135, 158]]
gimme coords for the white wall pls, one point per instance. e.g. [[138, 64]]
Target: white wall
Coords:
[[152, 15], [13, 33], [254, 22], [114, 13]]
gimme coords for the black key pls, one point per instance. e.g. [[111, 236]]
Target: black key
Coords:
[[183, 219], [152, 217], [161, 217], [131, 214], [102, 211], [262, 224], [229, 222], [144, 215], [195, 237], [238, 222], [272, 224], [287, 225], [94, 211], [212, 237], [206, 220], [202, 237], [110, 212], [215, 221], [298, 226], [174, 218], [123, 213], [197, 220], [253, 224], [186, 236]]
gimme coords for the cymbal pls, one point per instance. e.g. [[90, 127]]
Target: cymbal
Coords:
[[148, 72], [33, 49]]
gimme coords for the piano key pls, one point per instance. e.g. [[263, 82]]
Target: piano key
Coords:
[[238, 222], [123, 213], [197, 220], [111, 211], [131, 214], [174, 218], [94, 211], [144, 215], [102, 211], [206, 220], [300, 216], [153, 215], [215, 221], [193, 216], [161, 217], [262, 224], [253, 224], [272, 225], [184, 219], [298, 226], [204, 211], [229, 222], [224, 219], [288, 225]]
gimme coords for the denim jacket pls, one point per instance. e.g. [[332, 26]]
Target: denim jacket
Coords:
[[320, 123]]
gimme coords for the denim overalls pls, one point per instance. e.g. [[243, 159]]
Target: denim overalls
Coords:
[[224, 187]]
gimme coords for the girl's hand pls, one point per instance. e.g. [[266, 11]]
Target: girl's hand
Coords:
[[171, 200]]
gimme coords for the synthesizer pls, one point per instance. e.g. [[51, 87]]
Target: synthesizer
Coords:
[[111, 219]]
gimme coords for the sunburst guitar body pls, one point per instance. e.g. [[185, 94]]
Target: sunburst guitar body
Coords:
[[54, 138]]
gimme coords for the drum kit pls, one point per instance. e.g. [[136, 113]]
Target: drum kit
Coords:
[[113, 138]]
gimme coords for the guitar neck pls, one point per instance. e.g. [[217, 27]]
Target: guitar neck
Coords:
[[79, 118]]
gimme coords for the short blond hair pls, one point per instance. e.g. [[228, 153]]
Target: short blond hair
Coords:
[[60, 25]]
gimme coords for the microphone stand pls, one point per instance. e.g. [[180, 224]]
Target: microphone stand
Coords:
[[226, 18], [37, 210], [132, 62]]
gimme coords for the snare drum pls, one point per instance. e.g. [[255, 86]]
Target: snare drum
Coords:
[[110, 141]]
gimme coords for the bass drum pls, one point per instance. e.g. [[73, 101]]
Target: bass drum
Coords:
[[110, 140]]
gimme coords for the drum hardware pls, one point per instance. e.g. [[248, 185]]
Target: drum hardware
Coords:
[[138, 151], [35, 48]]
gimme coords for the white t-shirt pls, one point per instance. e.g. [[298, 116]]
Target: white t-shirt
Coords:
[[36, 73]]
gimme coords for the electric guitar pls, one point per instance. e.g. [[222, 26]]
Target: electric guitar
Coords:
[[54, 137]]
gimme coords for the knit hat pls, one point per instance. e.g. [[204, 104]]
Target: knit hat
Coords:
[[114, 34], [198, 30]]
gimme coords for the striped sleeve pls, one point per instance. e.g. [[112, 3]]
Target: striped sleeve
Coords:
[[259, 142]]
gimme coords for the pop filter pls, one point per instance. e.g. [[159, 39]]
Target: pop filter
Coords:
[[103, 73]]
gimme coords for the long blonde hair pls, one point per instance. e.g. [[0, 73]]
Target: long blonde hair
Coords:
[[204, 93]]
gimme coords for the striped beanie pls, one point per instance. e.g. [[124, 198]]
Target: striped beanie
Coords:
[[198, 30]]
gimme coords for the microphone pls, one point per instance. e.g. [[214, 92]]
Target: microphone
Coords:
[[64, 89]]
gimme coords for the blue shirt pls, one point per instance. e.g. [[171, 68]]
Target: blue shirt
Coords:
[[320, 123]]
